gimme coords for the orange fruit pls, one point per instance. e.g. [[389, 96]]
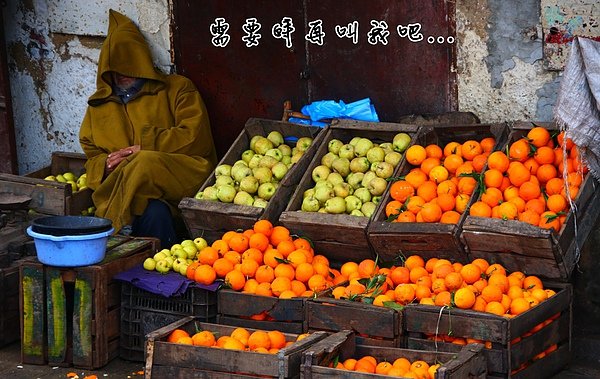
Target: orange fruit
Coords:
[[452, 147], [235, 280], [415, 155], [278, 234], [498, 160], [404, 293], [480, 209], [434, 151], [487, 144], [221, 246], [367, 268], [427, 191], [464, 298], [264, 274], [470, 273], [277, 339], [259, 339], [400, 190], [431, 212], [205, 274], [470, 149], [416, 177], [519, 150], [176, 335], [264, 227], [204, 338], [538, 136]]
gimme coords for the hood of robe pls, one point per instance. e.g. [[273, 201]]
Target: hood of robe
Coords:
[[125, 51]]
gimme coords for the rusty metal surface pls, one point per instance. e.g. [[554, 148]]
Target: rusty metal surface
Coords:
[[8, 152], [238, 82]]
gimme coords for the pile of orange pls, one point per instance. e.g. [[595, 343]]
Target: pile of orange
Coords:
[[400, 367], [534, 181], [265, 260], [240, 338], [435, 190]]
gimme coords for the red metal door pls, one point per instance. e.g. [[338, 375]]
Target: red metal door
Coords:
[[408, 70]]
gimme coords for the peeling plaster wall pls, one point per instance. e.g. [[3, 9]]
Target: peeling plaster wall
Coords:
[[500, 64], [53, 48]]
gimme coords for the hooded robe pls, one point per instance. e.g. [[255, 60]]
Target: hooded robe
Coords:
[[166, 118]]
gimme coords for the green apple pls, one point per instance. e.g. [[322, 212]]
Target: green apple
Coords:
[[223, 170], [267, 161], [286, 150], [341, 165], [377, 186], [367, 177], [279, 170], [69, 176], [222, 180], [183, 268], [226, 193], [254, 161], [266, 191], [335, 205], [50, 177], [159, 256], [190, 250], [247, 155], [401, 142], [328, 159], [310, 204], [343, 189], [275, 137], [61, 178], [149, 264], [393, 158], [243, 198], [357, 212], [296, 157], [352, 203], [240, 172], [303, 143], [334, 146], [200, 243], [359, 164], [355, 179], [287, 159], [324, 193], [308, 192], [262, 145], [320, 173], [177, 263], [162, 266], [180, 254], [362, 146], [346, 151], [368, 208], [275, 153], [249, 184], [263, 174], [354, 140], [169, 261], [376, 154], [260, 203], [363, 194], [253, 141], [210, 193], [384, 170], [335, 178]]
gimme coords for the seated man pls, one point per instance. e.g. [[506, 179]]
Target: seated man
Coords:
[[146, 135]]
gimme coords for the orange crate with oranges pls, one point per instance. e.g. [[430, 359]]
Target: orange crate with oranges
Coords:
[[212, 218], [519, 245], [360, 360], [262, 312], [533, 344], [393, 240], [341, 236], [166, 359]]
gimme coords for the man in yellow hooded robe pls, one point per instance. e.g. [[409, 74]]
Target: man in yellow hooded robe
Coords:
[[146, 135]]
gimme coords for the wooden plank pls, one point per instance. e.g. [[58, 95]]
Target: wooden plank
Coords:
[[282, 326], [32, 301], [366, 320], [56, 304], [85, 301], [233, 303], [9, 301]]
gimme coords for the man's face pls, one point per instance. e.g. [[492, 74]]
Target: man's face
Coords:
[[122, 81]]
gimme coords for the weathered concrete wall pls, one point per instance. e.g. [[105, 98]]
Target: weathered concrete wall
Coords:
[[500, 68], [53, 48]]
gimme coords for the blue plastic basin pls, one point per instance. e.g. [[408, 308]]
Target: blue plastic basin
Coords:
[[70, 251]]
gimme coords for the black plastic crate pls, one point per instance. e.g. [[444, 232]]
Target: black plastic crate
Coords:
[[143, 312]]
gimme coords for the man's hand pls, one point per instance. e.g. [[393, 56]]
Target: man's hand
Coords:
[[116, 157]]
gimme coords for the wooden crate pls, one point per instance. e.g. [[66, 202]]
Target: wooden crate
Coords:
[[49, 197], [211, 219], [70, 316], [236, 308], [467, 362], [170, 360], [507, 352], [519, 246], [340, 237], [373, 325], [394, 240]]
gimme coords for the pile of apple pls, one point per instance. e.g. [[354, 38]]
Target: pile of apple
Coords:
[[78, 183], [177, 258], [253, 179], [352, 176]]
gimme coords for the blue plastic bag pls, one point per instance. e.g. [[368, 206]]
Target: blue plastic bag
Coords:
[[361, 110]]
